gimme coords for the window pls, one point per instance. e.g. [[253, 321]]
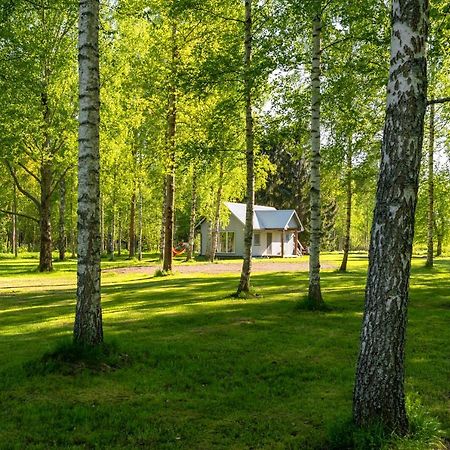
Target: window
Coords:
[[226, 242], [257, 239]]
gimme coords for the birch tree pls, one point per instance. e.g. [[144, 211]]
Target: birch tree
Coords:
[[430, 182], [379, 388], [244, 283], [88, 329], [314, 292]]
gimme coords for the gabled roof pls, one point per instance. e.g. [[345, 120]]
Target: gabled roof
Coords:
[[266, 217]]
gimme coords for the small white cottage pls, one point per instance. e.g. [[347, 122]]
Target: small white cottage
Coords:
[[275, 232]]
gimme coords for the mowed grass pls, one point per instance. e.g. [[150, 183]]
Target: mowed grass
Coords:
[[201, 370]]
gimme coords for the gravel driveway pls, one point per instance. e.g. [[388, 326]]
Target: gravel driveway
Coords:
[[230, 267]]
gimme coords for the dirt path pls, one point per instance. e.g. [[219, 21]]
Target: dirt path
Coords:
[[233, 267]]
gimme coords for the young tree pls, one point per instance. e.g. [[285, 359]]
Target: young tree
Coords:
[[430, 180], [88, 328], [62, 238], [348, 208], [379, 388]]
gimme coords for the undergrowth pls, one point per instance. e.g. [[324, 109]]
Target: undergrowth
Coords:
[[424, 433]]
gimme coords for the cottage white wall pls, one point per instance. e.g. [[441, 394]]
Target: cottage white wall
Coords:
[[204, 231], [234, 225], [276, 244], [258, 250], [237, 227], [289, 245]]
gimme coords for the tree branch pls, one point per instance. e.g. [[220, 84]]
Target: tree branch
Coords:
[[59, 180], [435, 101], [327, 4], [338, 41], [4, 211], [29, 172], [19, 186]]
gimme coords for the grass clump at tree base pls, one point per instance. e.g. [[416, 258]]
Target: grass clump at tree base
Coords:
[[163, 273], [69, 358], [424, 433], [307, 304]]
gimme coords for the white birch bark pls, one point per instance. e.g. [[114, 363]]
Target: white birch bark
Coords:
[[88, 328], [62, 220], [244, 283], [348, 212], [216, 224], [379, 388], [314, 291]]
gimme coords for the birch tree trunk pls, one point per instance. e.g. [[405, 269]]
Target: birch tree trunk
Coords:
[[119, 234], [71, 224], [62, 220], [112, 244], [102, 226], [379, 388], [14, 246], [314, 292], [170, 175], [132, 229], [45, 253], [440, 238], [430, 221], [348, 220], [140, 221], [163, 223], [216, 225], [244, 283], [193, 216], [88, 329]]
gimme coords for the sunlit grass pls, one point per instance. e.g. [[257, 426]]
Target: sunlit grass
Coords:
[[206, 371]]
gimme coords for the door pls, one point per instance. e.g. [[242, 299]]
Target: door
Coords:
[[269, 244]]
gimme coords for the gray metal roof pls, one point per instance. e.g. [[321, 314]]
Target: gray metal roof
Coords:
[[266, 217]]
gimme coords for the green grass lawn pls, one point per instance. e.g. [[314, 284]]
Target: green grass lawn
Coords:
[[199, 370]]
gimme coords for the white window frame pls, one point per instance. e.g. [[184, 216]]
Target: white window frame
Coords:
[[257, 242]]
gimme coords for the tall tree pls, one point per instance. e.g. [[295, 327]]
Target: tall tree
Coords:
[[88, 328], [379, 388], [14, 240], [62, 238], [192, 216], [314, 291], [244, 283], [430, 216], [169, 201], [37, 84], [348, 209]]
